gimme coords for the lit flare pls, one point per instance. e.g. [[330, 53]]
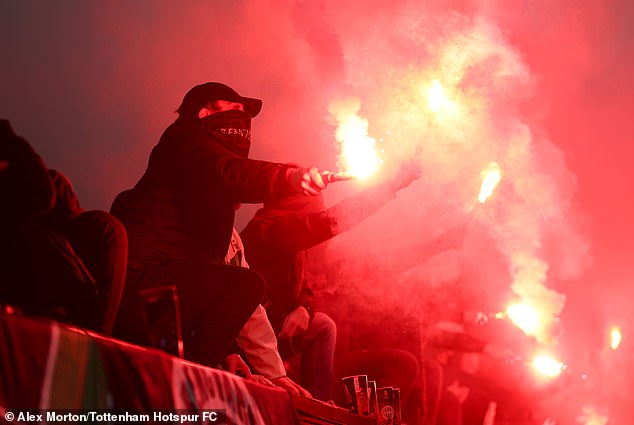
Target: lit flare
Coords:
[[547, 365], [436, 96], [590, 416], [525, 317], [615, 337], [358, 157], [443, 103], [491, 177]]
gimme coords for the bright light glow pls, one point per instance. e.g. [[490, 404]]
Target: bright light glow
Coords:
[[358, 155], [491, 177], [590, 416], [547, 366], [358, 150], [525, 317], [615, 337], [540, 306], [443, 102], [436, 97]]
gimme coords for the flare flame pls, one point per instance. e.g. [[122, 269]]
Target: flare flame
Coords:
[[615, 337], [547, 365], [491, 177], [358, 155]]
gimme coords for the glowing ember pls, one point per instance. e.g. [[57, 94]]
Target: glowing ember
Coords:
[[615, 337], [436, 97], [358, 156], [525, 317], [491, 177], [500, 315], [547, 366]]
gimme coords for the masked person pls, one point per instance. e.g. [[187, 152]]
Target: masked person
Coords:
[[179, 218]]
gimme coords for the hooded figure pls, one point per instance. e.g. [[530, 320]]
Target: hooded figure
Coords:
[[179, 218]]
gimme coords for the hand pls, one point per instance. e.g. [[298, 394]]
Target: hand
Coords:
[[295, 323], [261, 380], [308, 181], [409, 171], [237, 366], [475, 317], [289, 385]]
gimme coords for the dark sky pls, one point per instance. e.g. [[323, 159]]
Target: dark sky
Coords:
[[547, 89]]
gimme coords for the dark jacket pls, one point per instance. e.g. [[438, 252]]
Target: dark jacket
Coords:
[[184, 204], [40, 271], [276, 238]]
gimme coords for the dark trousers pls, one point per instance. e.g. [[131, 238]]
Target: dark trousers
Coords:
[[101, 241], [215, 302], [317, 348]]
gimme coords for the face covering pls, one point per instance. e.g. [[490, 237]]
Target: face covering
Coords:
[[232, 128]]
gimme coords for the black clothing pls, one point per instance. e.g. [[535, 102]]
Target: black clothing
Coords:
[[216, 300], [56, 260], [276, 238], [179, 219], [235, 126], [183, 206], [100, 240], [203, 94], [274, 242]]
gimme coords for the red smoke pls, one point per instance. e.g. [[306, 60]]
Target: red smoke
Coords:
[[547, 91]]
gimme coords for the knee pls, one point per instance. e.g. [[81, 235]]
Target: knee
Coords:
[[113, 229], [325, 326], [103, 226]]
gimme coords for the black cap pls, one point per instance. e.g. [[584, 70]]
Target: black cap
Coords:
[[200, 95]]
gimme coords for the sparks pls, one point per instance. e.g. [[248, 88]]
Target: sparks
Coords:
[[547, 365], [491, 177], [615, 337], [358, 156]]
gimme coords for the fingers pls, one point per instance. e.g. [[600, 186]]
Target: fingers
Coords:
[[237, 366], [262, 380], [290, 386], [245, 372], [232, 361], [313, 182], [308, 181]]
